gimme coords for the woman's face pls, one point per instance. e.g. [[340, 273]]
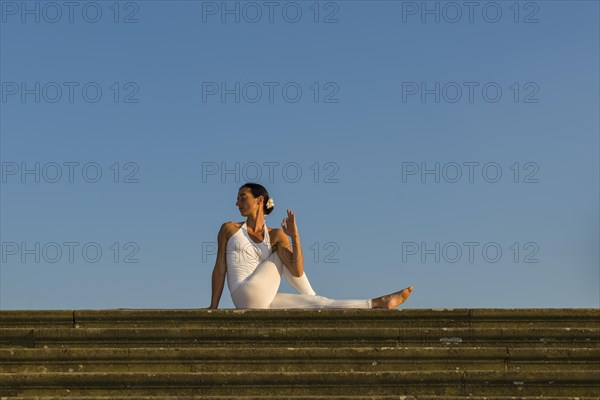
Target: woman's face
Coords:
[[247, 203]]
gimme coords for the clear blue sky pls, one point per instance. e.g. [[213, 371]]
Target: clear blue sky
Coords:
[[384, 125]]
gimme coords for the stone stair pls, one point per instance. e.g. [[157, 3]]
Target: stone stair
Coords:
[[355, 354]]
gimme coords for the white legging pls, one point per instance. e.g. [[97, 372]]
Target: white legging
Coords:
[[259, 290]]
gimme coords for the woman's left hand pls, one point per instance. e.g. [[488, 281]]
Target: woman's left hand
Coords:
[[288, 225]]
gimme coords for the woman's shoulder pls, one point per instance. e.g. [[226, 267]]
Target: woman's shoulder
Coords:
[[229, 228], [275, 233], [232, 224]]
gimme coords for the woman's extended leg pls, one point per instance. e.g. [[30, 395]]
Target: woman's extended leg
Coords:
[[291, 300], [259, 290], [307, 298], [389, 301]]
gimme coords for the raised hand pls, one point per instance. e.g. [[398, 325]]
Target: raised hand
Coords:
[[288, 225]]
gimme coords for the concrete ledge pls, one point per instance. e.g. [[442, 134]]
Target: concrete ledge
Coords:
[[99, 355], [303, 397], [358, 359], [333, 353], [8, 316], [452, 383], [307, 333], [35, 317]]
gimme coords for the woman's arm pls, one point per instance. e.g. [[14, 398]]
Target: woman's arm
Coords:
[[218, 275], [293, 260]]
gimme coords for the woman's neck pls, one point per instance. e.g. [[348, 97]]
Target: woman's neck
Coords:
[[255, 223]]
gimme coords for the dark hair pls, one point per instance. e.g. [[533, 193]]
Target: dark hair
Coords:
[[259, 190]]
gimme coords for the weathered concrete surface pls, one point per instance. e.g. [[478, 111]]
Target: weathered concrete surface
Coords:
[[305, 397], [385, 382], [326, 354], [557, 317]]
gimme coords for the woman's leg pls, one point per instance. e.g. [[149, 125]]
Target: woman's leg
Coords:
[[307, 297], [258, 289], [299, 283], [290, 300]]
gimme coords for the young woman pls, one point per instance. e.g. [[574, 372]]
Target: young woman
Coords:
[[254, 256]]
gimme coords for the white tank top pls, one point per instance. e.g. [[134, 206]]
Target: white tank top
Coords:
[[244, 255]]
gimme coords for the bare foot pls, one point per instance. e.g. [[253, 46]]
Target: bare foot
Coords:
[[392, 300]]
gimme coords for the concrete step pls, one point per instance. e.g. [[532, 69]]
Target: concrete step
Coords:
[[296, 359], [333, 318], [291, 336], [447, 383], [310, 354], [303, 397]]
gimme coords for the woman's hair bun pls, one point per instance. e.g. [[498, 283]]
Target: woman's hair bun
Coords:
[[259, 190]]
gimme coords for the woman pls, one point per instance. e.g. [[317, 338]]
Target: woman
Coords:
[[254, 256]]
